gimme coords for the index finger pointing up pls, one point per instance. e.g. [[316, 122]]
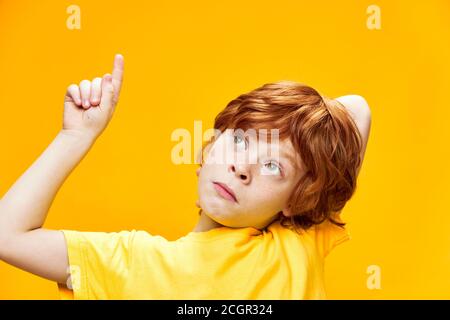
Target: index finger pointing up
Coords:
[[117, 74]]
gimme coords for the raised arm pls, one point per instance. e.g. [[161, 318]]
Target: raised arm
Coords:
[[88, 109], [360, 112]]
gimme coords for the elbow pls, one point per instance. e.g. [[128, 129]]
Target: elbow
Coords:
[[364, 107], [3, 244], [5, 234], [359, 108]]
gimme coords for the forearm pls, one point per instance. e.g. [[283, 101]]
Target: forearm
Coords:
[[25, 206], [359, 110]]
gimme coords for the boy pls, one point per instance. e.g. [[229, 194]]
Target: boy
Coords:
[[265, 225]]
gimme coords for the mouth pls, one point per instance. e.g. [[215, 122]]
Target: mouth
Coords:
[[224, 191]]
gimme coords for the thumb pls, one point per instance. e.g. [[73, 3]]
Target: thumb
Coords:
[[107, 92]]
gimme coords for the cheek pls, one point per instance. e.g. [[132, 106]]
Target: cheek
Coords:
[[206, 174], [265, 197], [217, 154], [210, 171], [203, 183]]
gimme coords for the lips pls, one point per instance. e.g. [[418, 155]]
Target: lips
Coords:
[[225, 191]]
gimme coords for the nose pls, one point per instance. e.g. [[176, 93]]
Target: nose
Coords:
[[240, 171]]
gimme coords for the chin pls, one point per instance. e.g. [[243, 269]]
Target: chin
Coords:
[[230, 221], [221, 216], [218, 217]]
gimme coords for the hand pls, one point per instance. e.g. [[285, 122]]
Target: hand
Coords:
[[89, 107]]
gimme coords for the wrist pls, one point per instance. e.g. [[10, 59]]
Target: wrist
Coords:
[[78, 136]]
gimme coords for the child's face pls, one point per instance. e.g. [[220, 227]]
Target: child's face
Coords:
[[261, 180]]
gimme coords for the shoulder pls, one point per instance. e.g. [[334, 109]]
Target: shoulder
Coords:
[[324, 237], [145, 241]]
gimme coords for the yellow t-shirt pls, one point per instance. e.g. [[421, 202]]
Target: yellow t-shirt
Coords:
[[221, 263]]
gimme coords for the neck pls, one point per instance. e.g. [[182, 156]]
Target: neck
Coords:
[[205, 223]]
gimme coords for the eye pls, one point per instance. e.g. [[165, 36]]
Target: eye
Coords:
[[271, 168], [240, 141]]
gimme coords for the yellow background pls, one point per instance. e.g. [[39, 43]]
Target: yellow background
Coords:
[[185, 60]]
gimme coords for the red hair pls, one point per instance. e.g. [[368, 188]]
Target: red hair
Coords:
[[323, 134]]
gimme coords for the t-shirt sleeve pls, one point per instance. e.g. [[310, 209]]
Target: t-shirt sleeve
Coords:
[[329, 235], [98, 263]]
